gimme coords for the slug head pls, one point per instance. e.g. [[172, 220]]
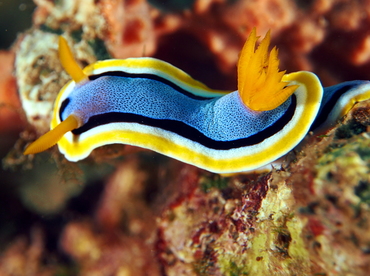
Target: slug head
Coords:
[[52, 137]]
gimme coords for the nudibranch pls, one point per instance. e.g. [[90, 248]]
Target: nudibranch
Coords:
[[337, 101], [149, 103]]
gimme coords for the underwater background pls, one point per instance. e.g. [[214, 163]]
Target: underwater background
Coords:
[[128, 211]]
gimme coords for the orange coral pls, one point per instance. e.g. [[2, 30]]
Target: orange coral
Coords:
[[25, 258], [104, 254], [10, 106]]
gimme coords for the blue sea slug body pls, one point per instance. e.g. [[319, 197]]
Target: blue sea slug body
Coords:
[[149, 103]]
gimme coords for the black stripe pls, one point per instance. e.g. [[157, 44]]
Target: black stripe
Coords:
[[151, 77], [329, 105], [62, 107], [188, 131], [129, 75]]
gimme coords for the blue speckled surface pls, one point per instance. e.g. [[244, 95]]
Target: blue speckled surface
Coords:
[[150, 98]]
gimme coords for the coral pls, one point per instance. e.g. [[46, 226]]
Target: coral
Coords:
[[250, 230], [39, 76], [311, 35], [332, 198], [45, 191], [102, 254], [123, 245], [132, 35], [25, 258], [10, 107], [318, 41]]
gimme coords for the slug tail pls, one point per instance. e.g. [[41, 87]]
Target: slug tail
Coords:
[[52, 137], [259, 79]]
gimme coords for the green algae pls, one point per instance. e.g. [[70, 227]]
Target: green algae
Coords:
[[100, 51], [214, 182]]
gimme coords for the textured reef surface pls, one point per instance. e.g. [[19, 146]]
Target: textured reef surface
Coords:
[[126, 211]]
